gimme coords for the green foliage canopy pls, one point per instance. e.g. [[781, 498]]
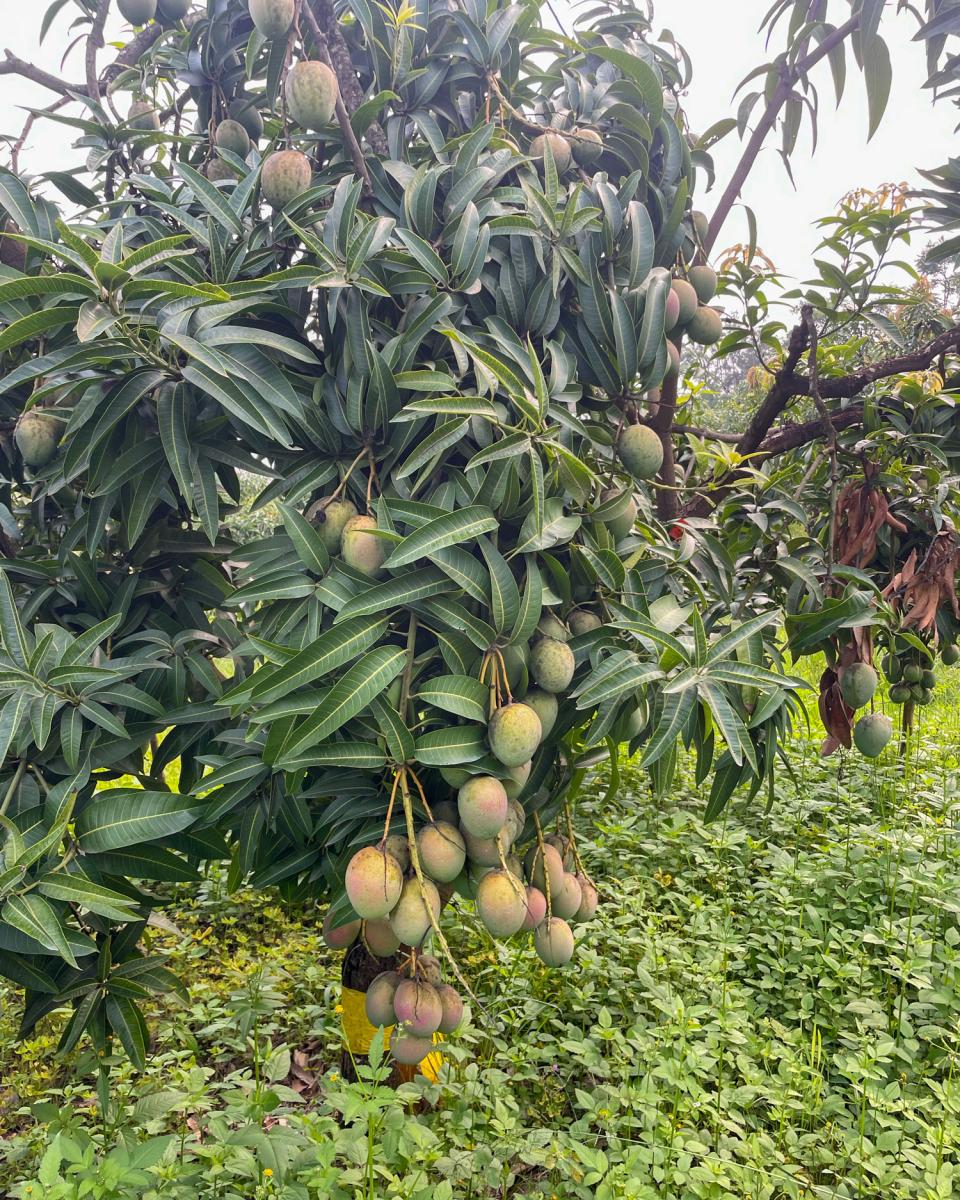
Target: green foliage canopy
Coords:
[[443, 329]]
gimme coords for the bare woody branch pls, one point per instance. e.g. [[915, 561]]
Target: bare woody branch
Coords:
[[21, 141], [94, 46], [788, 384], [10, 64], [761, 444], [711, 435], [778, 397], [129, 56], [790, 76], [794, 435], [828, 430]]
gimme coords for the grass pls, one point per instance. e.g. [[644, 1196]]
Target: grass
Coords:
[[765, 1007]]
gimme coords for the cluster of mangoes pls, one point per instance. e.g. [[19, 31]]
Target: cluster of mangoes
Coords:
[[417, 1003], [411, 1001], [398, 890], [688, 307], [310, 93], [582, 146], [471, 845], [909, 680]]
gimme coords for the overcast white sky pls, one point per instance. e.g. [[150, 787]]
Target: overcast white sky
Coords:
[[724, 44]]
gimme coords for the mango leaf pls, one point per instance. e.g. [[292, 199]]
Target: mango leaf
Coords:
[[452, 529], [75, 889], [677, 707], [451, 747], [32, 915], [307, 542], [396, 593], [330, 650], [127, 816], [398, 737], [504, 593], [349, 696], [127, 1023], [360, 756], [459, 694]]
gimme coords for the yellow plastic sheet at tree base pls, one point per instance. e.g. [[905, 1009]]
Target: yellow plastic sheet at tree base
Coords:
[[358, 1035]]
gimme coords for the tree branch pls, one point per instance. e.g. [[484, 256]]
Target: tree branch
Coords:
[[343, 117], [94, 46], [129, 56], [323, 19], [134, 50], [713, 435], [794, 435], [844, 386], [21, 141], [790, 76], [778, 397], [11, 65], [788, 384]]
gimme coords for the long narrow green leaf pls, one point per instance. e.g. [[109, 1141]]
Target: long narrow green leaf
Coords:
[[175, 436], [359, 756], [459, 694], [45, 285], [452, 529], [74, 889], [452, 747], [306, 541], [126, 1021], [11, 631], [35, 323], [330, 650], [349, 696], [211, 198], [128, 816], [396, 593], [676, 709], [32, 915]]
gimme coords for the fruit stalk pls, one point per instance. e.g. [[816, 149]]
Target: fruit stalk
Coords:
[[543, 857], [418, 871]]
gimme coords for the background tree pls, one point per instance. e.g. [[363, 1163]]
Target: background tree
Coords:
[[426, 272]]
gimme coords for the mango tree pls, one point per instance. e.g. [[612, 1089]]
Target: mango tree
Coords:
[[425, 274]]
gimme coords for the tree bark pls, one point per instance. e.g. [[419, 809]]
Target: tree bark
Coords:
[[343, 66], [792, 436], [776, 400], [668, 498]]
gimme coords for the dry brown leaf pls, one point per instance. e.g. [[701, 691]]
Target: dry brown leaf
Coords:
[[837, 718], [919, 592], [862, 510]]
